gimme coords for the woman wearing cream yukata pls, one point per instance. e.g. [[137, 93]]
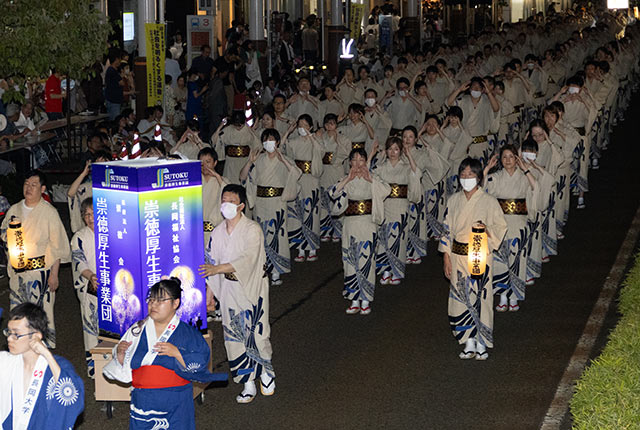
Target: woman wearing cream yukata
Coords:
[[271, 180], [303, 220], [399, 170], [432, 167], [85, 280], [360, 197], [237, 274], [435, 188], [471, 299], [336, 151], [233, 144], [514, 186]]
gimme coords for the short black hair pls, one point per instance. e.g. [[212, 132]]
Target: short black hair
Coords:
[[270, 132], [455, 111], [475, 165], [402, 81], [357, 151], [529, 145], [167, 287], [207, 150], [37, 172], [36, 317], [330, 117], [238, 190], [101, 154]]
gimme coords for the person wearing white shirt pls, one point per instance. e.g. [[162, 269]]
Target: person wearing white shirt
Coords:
[[25, 120], [172, 68]]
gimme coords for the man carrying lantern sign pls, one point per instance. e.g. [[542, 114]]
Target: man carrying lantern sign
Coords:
[[37, 245], [474, 228]]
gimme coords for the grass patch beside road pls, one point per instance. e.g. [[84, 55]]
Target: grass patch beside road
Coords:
[[608, 392]]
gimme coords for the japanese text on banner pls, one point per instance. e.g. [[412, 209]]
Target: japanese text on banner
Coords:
[[154, 34], [355, 22]]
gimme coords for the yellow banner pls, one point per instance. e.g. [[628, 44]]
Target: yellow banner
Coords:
[[154, 34], [355, 21]]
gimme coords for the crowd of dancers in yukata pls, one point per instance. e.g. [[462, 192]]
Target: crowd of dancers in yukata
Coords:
[[496, 133]]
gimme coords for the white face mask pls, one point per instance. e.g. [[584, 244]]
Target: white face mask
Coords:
[[229, 210], [476, 94], [304, 93], [402, 93], [530, 66], [574, 90], [468, 184], [302, 131], [269, 145], [370, 102], [531, 156]]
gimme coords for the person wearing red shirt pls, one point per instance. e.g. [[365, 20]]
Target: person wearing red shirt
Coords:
[[53, 97]]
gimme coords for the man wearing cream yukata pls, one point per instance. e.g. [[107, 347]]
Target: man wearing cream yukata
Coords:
[[236, 275], [46, 245]]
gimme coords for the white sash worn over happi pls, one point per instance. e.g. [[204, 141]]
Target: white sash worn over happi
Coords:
[[22, 412], [123, 372]]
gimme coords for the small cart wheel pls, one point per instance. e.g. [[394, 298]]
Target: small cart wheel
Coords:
[[200, 398], [109, 406]]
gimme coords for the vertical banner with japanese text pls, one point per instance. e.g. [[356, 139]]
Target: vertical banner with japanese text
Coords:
[[355, 20], [154, 34], [148, 225]]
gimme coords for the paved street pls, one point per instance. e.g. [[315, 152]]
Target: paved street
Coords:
[[399, 367]]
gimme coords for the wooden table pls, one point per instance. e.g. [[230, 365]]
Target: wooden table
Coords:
[[109, 391], [79, 124], [21, 152]]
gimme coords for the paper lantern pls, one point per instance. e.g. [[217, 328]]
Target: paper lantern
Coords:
[[478, 250], [15, 243]]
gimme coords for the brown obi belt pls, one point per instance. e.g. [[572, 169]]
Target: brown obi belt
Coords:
[[231, 277], [398, 191], [269, 191], [581, 131], [328, 158], [304, 165], [359, 207], [357, 145], [480, 139], [460, 248], [237, 151], [513, 206], [35, 263], [208, 226], [517, 109]]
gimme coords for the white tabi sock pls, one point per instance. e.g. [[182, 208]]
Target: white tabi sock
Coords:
[[312, 253], [301, 253], [480, 348], [355, 303], [503, 299], [470, 345], [275, 276], [513, 301], [250, 388], [365, 304]]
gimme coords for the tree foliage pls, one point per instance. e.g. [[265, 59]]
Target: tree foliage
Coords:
[[38, 35]]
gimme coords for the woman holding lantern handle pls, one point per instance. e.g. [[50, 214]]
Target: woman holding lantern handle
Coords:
[[471, 296]]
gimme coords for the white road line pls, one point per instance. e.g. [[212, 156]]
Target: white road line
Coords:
[[560, 404]]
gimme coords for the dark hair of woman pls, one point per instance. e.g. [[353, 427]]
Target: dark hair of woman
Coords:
[[412, 129], [393, 141]]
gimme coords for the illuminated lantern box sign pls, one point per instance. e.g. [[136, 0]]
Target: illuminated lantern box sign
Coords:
[[148, 225]]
